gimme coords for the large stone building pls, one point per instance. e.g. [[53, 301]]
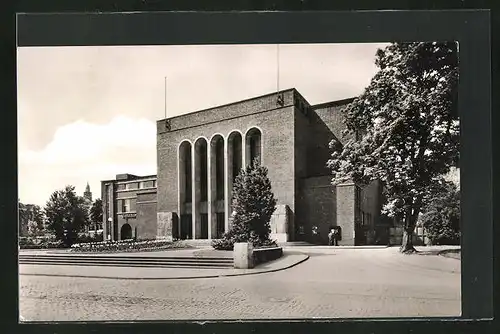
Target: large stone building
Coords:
[[199, 155]]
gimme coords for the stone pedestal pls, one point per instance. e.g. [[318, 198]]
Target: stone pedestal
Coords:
[[166, 225], [243, 255], [280, 222]]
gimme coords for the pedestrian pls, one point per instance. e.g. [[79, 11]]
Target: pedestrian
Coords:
[[335, 237], [331, 237]]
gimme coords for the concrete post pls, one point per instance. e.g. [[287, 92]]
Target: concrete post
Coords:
[[243, 255], [227, 205], [194, 208], [209, 189]]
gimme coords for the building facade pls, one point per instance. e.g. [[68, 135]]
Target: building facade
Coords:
[[129, 207], [199, 155]]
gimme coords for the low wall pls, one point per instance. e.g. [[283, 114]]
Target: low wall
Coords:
[[262, 255], [245, 256]]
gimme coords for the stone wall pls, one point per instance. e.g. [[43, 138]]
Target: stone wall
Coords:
[[280, 223], [317, 208], [226, 112], [146, 215], [346, 213], [326, 123], [167, 225]]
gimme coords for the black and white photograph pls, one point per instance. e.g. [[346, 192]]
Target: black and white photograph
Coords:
[[239, 181]]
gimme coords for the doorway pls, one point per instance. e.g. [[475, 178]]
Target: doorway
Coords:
[[126, 232]]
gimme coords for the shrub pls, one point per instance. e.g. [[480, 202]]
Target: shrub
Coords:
[[223, 244], [125, 246], [39, 243], [85, 237], [441, 217], [253, 206]]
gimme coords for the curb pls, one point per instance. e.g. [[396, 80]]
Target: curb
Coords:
[[178, 278], [445, 253], [335, 247]]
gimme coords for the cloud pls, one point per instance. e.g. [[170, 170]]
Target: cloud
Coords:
[[60, 85], [82, 151]]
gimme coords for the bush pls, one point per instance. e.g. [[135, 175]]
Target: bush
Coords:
[[223, 244], [39, 243], [86, 238], [228, 243], [125, 246], [253, 205], [441, 217]]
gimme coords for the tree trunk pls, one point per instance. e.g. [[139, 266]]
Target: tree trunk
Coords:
[[409, 228], [407, 243]]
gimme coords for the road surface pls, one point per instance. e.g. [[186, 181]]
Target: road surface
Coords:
[[331, 284]]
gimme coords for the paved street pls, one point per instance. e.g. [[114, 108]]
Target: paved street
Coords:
[[332, 283]]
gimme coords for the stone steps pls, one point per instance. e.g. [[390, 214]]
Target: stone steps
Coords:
[[198, 243], [128, 261]]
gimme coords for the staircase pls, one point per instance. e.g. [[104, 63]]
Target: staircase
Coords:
[[128, 261], [198, 243]]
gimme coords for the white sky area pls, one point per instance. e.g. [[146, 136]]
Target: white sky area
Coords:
[[89, 113]]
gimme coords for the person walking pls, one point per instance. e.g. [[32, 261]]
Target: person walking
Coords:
[[335, 236], [331, 237]]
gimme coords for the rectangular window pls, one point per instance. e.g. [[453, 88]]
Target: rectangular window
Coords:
[[120, 186], [130, 186], [146, 184], [124, 205]]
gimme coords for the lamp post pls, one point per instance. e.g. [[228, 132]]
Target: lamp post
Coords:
[[110, 220]]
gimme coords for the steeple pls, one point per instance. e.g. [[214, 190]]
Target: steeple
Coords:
[[87, 194]]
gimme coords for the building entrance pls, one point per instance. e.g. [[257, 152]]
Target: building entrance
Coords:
[[220, 225], [126, 232], [186, 227], [204, 226]]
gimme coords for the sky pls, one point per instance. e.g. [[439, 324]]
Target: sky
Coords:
[[88, 113]]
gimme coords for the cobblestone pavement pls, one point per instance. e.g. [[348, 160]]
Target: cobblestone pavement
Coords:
[[332, 283]]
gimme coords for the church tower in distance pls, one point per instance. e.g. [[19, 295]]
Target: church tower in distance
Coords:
[[88, 194]]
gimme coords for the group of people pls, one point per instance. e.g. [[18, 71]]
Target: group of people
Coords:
[[333, 237]]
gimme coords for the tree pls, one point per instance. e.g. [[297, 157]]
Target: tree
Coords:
[[441, 216], [23, 219], [96, 211], [66, 214], [31, 219], [405, 129], [253, 206]]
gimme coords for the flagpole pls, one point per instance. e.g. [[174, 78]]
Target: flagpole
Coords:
[[278, 68], [165, 98]]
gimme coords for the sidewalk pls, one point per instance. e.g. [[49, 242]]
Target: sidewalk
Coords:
[[285, 262], [304, 247]]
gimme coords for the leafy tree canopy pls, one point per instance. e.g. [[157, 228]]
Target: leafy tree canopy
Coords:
[[96, 211], [441, 216], [31, 218], [66, 214], [406, 128]]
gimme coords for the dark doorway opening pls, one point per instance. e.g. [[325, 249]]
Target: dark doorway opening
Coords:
[[126, 232], [204, 226], [186, 227], [220, 225]]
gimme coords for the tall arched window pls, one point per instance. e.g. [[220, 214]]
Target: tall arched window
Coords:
[[253, 142]]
